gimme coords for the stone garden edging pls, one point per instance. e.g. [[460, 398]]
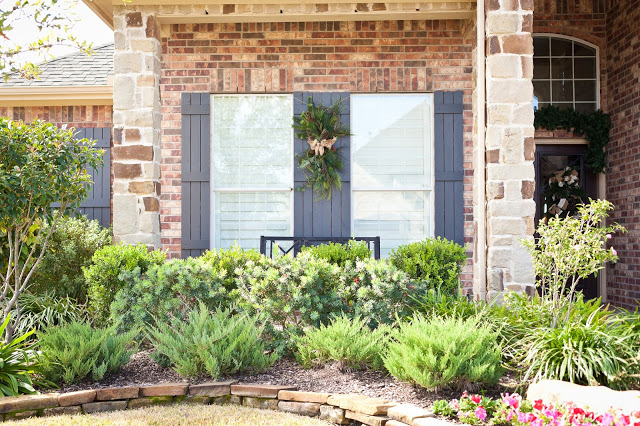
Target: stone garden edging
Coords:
[[336, 408]]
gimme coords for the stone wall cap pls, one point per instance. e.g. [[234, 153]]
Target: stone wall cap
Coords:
[[212, 388], [289, 395], [111, 394], [257, 390], [28, 402], [165, 389], [76, 398]]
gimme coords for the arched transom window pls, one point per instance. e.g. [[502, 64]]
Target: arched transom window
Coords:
[[565, 73]]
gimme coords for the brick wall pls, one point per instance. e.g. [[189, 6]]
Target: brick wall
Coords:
[[385, 56], [623, 180], [72, 116]]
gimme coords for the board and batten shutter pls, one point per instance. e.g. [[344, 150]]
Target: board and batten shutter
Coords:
[[322, 218], [196, 138], [449, 171], [97, 206]]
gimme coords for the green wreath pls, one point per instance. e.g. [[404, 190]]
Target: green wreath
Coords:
[[321, 163]]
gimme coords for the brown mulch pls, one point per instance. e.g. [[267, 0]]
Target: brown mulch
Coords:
[[142, 370]]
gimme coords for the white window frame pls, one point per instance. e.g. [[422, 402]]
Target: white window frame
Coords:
[[213, 190], [427, 188], [586, 43]]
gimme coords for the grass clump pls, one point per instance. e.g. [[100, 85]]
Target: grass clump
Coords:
[[444, 353], [214, 343], [348, 341]]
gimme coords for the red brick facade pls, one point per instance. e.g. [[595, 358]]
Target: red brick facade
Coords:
[[72, 116], [623, 173], [386, 56]]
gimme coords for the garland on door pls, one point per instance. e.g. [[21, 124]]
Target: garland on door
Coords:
[[595, 127], [321, 163]]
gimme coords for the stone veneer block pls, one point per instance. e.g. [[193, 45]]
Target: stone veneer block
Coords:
[[28, 402], [343, 400], [59, 411], [366, 419], [310, 409], [193, 399], [212, 388], [100, 407], [261, 391], [318, 397], [262, 403], [227, 400], [117, 393], [370, 406], [407, 413], [19, 415], [149, 401], [165, 389], [333, 414], [76, 398]]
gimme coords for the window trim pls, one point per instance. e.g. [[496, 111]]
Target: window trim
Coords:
[[275, 189], [586, 43], [427, 188]]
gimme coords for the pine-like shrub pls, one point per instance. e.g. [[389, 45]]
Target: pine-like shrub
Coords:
[[71, 246], [349, 342], [444, 352], [103, 275], [339, 254], [436, 260], [166, 291], [212, 343], [75, 351]]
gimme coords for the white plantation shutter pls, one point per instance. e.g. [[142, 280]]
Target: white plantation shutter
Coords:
[[392, 167], [252, 168]]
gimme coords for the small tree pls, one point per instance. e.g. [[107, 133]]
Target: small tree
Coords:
[[39, 164], [569, 249]]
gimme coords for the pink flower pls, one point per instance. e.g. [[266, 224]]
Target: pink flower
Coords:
[[608, 236], [476, 398], [605, 419], [454, 404], [480, 413], [615, 253], [512, 400]]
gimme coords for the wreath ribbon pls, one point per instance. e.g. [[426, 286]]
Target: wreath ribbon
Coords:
[[318, 147]]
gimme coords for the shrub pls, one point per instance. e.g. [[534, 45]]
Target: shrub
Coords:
[[169, 290], [339, 254], [444, 352], [437, 303], [350, 342], [378, 291], [214, 343], [71, 246], [17, 364], [290, 294], [103, 275], [228, 264], [45, 310], [435, 260], [75, 351]]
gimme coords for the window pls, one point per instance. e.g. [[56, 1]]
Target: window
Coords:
[[565, 73], [252, 168], [392, 167]]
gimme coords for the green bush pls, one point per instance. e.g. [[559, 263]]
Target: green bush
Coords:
[[378, 291], [71, 246], [350, 342], [339, 254], [75, 351], [17, 364], [214, 343], [103, 275], [168, 290], [435, 260], [437, 303], [444, 352], [229, 264], [290, 294], [41, 311]]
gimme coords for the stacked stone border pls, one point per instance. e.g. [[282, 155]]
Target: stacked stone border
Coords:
[[337, 408]]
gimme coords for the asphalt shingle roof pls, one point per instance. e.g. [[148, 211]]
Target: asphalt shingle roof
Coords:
[[77, 69]]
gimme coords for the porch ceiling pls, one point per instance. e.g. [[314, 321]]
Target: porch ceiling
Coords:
[[206, 11]]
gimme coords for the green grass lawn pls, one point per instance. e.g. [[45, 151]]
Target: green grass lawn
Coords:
[[180, 415]]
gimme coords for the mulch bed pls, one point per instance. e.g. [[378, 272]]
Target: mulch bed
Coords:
[[142, 370]]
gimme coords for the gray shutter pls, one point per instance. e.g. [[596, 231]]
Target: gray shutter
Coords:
[[195, 173], [322, 218], [449, 172], [97, 206]]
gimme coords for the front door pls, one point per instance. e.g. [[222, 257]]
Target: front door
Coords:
[[562, 181]]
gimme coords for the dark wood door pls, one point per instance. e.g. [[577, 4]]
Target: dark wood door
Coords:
[[551, 159]]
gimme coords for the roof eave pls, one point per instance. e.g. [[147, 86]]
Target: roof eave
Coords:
[[102, 8], [55, 96]]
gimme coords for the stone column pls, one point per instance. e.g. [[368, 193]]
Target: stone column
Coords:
[[136, 121], [509, 145]]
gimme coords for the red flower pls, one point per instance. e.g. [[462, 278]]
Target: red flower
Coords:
[[464, 394], [476, 398], [356, 280], [538, 405], [578, 411]]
